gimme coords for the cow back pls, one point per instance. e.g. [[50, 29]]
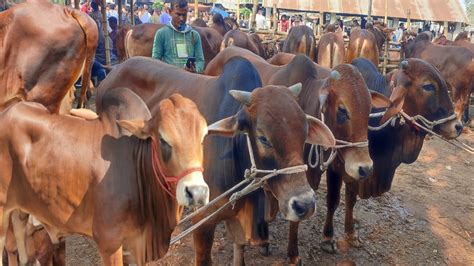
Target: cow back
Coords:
[[300, 39]]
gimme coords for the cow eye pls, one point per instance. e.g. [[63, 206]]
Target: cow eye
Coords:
[[342, 115], [165, 150], [429, 87], [265, 141]]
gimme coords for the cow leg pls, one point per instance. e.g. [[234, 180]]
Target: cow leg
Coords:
[[19, 220], [203, 240], [112, 259], [351, 199], [237, 235], [239, 255], [293, 252], [5, 218], [334, 183]]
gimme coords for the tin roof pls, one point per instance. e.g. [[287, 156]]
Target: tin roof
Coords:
[[434, 10]]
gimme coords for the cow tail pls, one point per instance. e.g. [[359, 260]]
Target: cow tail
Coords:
[[91, 35]]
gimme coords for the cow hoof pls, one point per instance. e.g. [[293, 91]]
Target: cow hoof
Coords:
[[264, 250], [296, 260], [354, 241], [329, 246]]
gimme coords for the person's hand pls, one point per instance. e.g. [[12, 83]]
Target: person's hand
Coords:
[[191, 69]]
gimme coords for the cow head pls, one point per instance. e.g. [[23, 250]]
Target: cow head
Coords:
[[346, 103], [178, 129], [418, 89], [278, 130]]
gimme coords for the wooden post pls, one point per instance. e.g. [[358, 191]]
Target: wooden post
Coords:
[[275, 18], [132, 13], [119, 7], [196, 9], [408, 20], [446, 31], [105, 28], [369, 14], [237, 12], [386, 13], [254, 14], [76, 4]]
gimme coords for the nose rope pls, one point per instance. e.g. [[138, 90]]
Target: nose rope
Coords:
[[423, 124], [251, 177], [168, 181], [316, 153]]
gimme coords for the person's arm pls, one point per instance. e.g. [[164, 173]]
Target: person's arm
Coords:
[[199, 54], [158, 43]]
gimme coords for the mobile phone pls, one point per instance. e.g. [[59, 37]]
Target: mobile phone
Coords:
[[191, 61]]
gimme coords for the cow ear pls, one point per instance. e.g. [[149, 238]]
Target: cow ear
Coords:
[[379, 100], [397, 98], [319, 133], [227, 127], [136, 126]]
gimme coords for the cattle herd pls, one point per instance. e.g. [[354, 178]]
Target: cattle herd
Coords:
[[162, 138]]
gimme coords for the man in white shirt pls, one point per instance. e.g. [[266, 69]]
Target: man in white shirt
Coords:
[[145, 16], [260, 20]]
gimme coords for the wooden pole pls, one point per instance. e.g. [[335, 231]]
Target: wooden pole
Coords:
[[237, 12], [76, 4], [386, 13], [196, 9], [275, 18], [408, 20], [369, 15], [446, 30], [254, 14], [132, 13], [105, 28], [119, 7]]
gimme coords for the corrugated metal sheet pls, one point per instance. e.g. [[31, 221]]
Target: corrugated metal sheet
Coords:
[[435, 10]]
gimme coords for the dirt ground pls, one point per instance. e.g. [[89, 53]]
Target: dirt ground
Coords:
[[427, 218]]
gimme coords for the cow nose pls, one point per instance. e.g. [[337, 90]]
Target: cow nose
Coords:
[[302, 208], [197, 195], [458, 128], [365, 171]]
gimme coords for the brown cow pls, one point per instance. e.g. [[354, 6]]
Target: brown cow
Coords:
[[275, 125], [40, 60], [300, 40], [330, 51], [367, 43], [345, 101], [141, 178], [244, 40], [124, 192], [215, 67], [456, 65], [418, 89], [463, 40]]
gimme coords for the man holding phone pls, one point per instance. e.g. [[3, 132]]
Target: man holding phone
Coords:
[[177, 43]]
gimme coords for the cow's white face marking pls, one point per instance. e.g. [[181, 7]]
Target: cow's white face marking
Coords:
[[192, 190]]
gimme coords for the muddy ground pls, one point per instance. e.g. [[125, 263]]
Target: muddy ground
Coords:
[[427, 218]]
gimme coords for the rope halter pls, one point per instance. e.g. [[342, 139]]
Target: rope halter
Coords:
[[167, 183]]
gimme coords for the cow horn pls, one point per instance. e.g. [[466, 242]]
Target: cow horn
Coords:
[[296, 89], [404, 65], [243, 97], [335, 75]]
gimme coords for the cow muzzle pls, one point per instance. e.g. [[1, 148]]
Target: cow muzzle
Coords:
[[357, 164], [300, 207], [192, 190], [450, 129]]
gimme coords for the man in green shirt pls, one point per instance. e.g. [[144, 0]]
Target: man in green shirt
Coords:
[[177, 43]]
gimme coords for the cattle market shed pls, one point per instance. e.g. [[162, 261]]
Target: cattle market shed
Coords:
[[432, 10]]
